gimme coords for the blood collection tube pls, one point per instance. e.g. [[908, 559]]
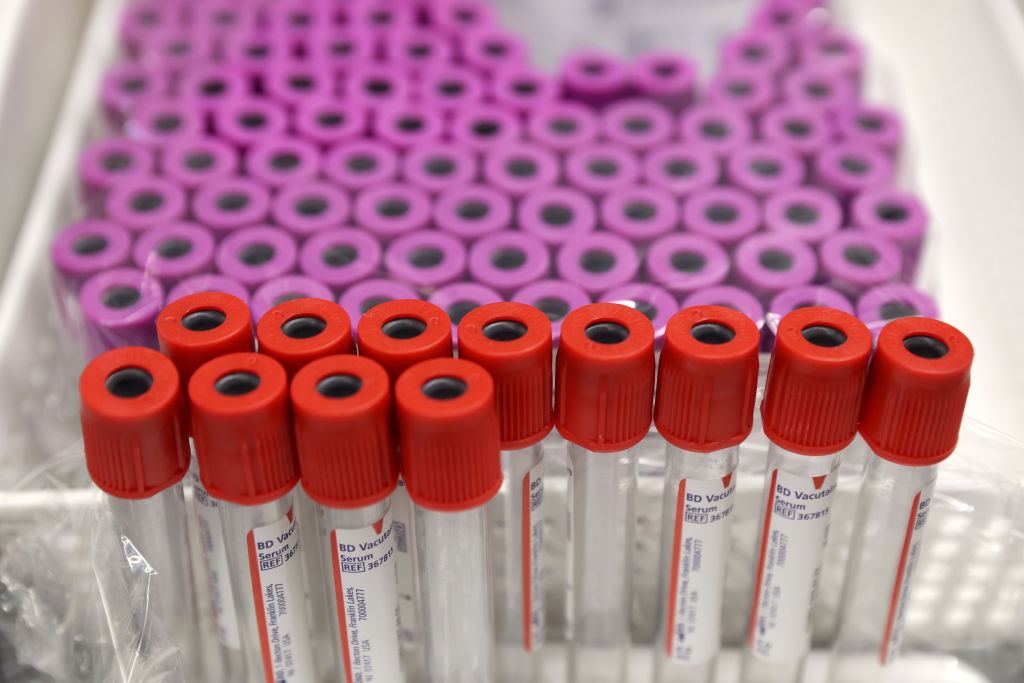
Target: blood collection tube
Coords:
[[358, 164], [556, 214], [304, 207], [788, 18], [245, 120], [719, 127], [174, 252], [342, 412], [277, 161], [819, 87], [884, 303], [142, 202], [374, 85], [523, 88], [848, 168], [599, 169], [651, 300], [207, 86], [512, 342], [666, 77], [426, 259], [471, 211], [119, 307], [222, 17], [758, 50], [749, 90], [482, 127], [192, 162], [325, 122], [388, 210], [450, 88], [459, 298], [797, 126], [640, 125], [811, 404], [594, 77], [290, 82], [244, 443], [682, 169], [456, 17], [156, 122], [762, 169], [833, 50], [299, 331], [361, 297], [491, 50], [209, 282], [402, 332], [724, 214], [604, 391], [405, 124], [707, 382], [253, 51], [729, 296], [286, 288], [521, 167], [806, 213], [340, 257], [685, 263], [125, 85], [555, 299], [417, 50], [563, 126], [804, 296], [913, 406], [227, 204], [639, 213], [872, 124], [508, 260], [854, 261], [86, 248], [896, 215], [106, 162], [436, 166], [140, 21], [380, 18], [339, 48], [768, 263], [598, 261], [254, 255]]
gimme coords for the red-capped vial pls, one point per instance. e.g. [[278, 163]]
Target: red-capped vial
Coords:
[[403, 332], [300, 331]]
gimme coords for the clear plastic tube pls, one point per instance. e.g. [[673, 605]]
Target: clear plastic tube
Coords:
[[601, 496], [695, 540], [792, 532], [891, 516], [454, 551], [518, 541]]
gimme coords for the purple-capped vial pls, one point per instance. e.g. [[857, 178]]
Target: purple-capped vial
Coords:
[[667, 77], [291, 82], [865, 123], [471, 211], [555, 299], [800, 127], [763, 168], [597, 262], [222, 17], [88, 247], [340, 50], [141, 21], [806, 213], [107, 161], [119, 308], [563, 126], [490, 50], [459, 298], [406, 124], [818, 87], [804, 296], [482, 127], [456, 18], [297, 19], [174, 49], [758, 50], [637, 124], [450, 89], [174, 252], [599, 169], [718, 127], [340, 258], [142, 202], [380, 18], [683, 263], [639, 213], [417, 50], [209, 282], [376, 85], [230, 203], [287, 288], [361, 297], [252, 52], [158, 122], [326, 122], [127, 85], [594, 77], [388, 210], [556, 214], [308, 206], [681, 169], [896, 215], [789, 18], [244, 121], [257, 254], [854, 261], [849, 168], [436, 166], [279, 160], [750, 91], [730, 297], [833, 50], [651, 300], [768, 263], [426, 259], [509, 260], [521, 167], [192, 162], [522, 89], [725, 214], [882, 304], [360, 163], [209, 86]]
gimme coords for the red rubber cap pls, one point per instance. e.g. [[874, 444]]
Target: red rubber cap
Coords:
[[199, 327], [132, 413], [302, 330], [604, 377], [513, 343], [816, 380], [917, 389], [342, 414], [242, 428], [707, 379], [449, 429], [400, 333]]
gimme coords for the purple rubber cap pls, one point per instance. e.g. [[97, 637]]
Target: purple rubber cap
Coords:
[[720, 128], [757, 49], [436, 166], [287, 288], [854, 261], [107, 161], [639, 213], [340, 258], [279, 160], [599, 169], [768, 263], [308, 206], [291, 82], [730, 297], [725, 214], [360, 163], [459, 298], [896, 215], [871, 124], [681, 169], [209, 86], [651, 300], [455, 18], [244, 121], [491, 49], [819, 87], [254, 52], [207, 282], [141, 21], [426, 259], [748, 90], [230, 203], [800, 127], [119, 308], [763, 168], [125, 85], [257, 254], [376, 85], [380, 17], [416, 51], [638, 124], [88, 247], [471, 211], [594, 77], [833, 50], [789, 300], [806, 213], [509, 260], [174, 49], [391, 209], [222, 17], [340, 49], [522, 89], [884, 303], [563, 126], [158, 122], [666, 77], [849, 168], [555, 299], [192, 162], [142, 202], [556, 214], [685, 263], [786, 17], [327, 122], [482, 127], [519, 168], [407, 124], [598, 261], [450, 89], [361, 297], [174, 252]]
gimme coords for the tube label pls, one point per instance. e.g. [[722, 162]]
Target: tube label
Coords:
[[569, 555], [917, 517], [215, 559], [796, 522], [366, 594], [703, 527], [533, 544], [275, 566]]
